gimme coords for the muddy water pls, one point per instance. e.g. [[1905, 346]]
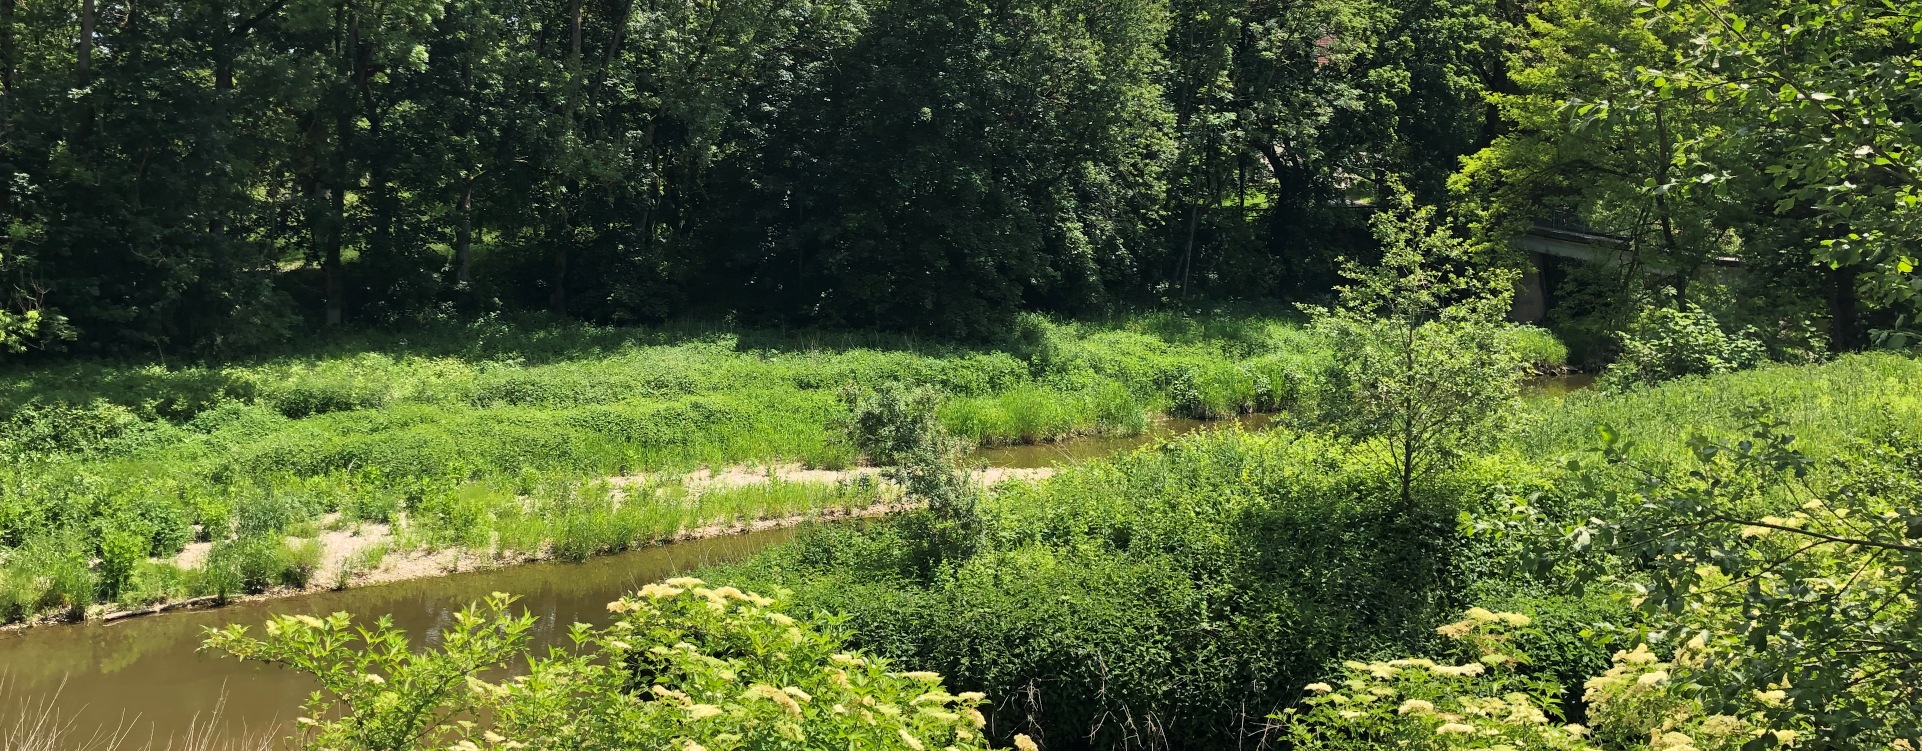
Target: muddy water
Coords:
[[1559, 386], [145, 676]]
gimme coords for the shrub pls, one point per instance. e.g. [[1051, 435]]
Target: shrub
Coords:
[[669, 673], [45, 430], [1479, 695], [154, 582], [1668, 343], [360, 562], [270, 513], [1152, 599], [215, 514], [892, 422], [1537, 347], [121, 550], [48, 572], [298, 562], [246, 564]]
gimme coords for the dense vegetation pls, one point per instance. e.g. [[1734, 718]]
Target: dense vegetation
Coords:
[[305, 267], [194, 179], [491, 438], [1177, 596]]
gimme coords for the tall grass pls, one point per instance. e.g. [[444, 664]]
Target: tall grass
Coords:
[[1824, 406], [442, 426], [40, 723]]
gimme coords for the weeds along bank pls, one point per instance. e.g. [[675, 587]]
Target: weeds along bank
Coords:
[[1180, 596], [1173, 596], [488, 437]]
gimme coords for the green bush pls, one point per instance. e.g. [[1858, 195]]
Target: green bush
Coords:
[[683, 667], [247, 564], [1153, 599], [1667, 343], [49, 572], [298, 562], [1538, 347], [121, 550], [267, 514], [45, 430], [155, 582]]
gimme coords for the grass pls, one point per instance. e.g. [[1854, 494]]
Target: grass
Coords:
[[1825, 406], [489, 436], [42, 723]]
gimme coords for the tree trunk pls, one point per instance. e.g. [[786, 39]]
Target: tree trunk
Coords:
[[1510, 15], [336, 224], [558, 298], [464, 237], [84, 68], [8, 57], [1845, 324], [343, 105]]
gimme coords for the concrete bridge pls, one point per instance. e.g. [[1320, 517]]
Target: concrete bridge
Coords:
[[1549, 247]]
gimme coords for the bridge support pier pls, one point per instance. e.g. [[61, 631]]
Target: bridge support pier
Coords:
[[1531, 293]]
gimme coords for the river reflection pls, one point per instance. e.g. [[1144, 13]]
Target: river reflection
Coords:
[[145, 675], [1039, 455]]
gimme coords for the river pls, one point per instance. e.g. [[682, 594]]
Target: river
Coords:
[[145, 675]]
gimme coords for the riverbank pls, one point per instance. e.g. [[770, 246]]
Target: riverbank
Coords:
[[495, 437], [341, 546]]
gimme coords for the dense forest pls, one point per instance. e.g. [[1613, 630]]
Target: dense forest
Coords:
[[1449, 375], [197, 178]]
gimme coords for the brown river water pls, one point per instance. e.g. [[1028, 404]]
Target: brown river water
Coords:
[[144, 678]]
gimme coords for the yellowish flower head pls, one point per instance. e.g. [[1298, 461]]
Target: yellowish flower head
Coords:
[[660, 591], [1516, 620]]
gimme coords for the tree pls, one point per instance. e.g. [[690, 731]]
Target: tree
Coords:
[[1421, 367], [1826, 90], [897, 427], [1796, 580], [965, 160], [1576, 154], [1779, 133]]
